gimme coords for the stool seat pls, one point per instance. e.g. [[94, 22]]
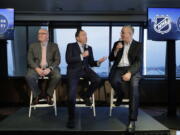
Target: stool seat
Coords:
[[44, 77]]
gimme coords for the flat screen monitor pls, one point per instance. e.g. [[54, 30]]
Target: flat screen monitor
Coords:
[[163, 24], [6, 24]]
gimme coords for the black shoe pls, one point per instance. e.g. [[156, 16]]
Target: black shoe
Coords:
[[71, 124], [87, 101], [131, 127], [82, 94], [49, 100], [118, 102], [35, 100]]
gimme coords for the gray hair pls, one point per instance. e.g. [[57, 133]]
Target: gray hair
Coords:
[[130, 27]]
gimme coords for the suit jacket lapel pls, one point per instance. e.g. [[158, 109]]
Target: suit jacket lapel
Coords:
[[119, 55], [131, 49], [39, 51], [78, 48], [48, 50]]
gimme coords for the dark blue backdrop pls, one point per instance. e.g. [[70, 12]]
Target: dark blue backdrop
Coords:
[[164, 24]]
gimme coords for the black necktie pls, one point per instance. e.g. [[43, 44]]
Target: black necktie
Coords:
[[85, 59]]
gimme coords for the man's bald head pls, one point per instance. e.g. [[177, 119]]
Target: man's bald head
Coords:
[[43, 35]]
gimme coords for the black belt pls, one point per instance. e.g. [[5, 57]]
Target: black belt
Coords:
[[126, 67], [122, 70]]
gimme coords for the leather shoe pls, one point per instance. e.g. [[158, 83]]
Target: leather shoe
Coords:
[[49, 100], [35, 100], [118, 102], [131, 127], [71, 124], [87, 101]]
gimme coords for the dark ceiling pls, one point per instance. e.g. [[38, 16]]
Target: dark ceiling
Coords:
[[133, 6], [84, 10]]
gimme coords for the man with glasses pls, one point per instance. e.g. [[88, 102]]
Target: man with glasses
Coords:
[[43, 60]]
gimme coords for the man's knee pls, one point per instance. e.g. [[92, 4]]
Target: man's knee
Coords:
[[135, 81], [98, 80], [56, 76], [114, 82], [30, 77]]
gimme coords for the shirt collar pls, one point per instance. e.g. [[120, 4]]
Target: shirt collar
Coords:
[[44, 44], [81, 45], [129, 43]]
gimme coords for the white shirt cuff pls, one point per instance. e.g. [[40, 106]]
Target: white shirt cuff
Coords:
[[98, 63], [81, 57]]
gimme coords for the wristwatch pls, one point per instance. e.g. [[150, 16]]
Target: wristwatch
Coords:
[[51, 68]]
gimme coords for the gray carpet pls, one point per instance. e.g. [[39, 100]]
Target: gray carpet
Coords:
[[43, 119]]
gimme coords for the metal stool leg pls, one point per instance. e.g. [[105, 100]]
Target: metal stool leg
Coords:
[[93, 105], [55, 105], [111, 101], [30, 107]]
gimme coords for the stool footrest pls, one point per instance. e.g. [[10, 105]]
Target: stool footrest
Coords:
[[41, 105]]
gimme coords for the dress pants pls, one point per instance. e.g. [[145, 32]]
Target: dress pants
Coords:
[[73, 80], [32, 79]]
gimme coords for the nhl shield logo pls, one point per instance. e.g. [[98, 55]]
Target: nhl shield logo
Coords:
[[162, 24], [178, 24], [3, 24]]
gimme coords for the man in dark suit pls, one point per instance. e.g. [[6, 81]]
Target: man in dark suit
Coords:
[[43, 60], [125, 72], [79, 57]]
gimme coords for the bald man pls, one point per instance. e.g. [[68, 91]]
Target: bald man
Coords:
[[125, 72], [43, 60]]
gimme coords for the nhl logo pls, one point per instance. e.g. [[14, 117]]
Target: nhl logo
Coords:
[[178, 24], [3, 24], [162, 24]]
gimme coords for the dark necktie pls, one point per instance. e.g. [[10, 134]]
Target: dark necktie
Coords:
[[85, 59]]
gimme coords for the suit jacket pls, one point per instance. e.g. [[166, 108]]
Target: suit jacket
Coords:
[[134, 57], [73, 58], [35, 54]]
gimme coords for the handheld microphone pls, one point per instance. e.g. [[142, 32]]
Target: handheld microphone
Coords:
[[119, 44], [121, 41], [86, 47]]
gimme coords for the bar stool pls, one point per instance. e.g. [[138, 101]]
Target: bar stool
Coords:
[[40, 105], [80, 100], [112, 100]]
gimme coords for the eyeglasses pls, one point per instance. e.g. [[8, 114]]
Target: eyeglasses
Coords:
[[42, 33]]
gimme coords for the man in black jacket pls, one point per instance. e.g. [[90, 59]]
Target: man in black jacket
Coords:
[[125, 72], [79, 57]]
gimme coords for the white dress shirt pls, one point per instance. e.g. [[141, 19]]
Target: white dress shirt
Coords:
[[82, 50], [124, 59]]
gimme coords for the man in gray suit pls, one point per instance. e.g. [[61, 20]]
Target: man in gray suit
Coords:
[[43, 60]]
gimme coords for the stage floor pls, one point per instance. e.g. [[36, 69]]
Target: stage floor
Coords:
[[43, 120]]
